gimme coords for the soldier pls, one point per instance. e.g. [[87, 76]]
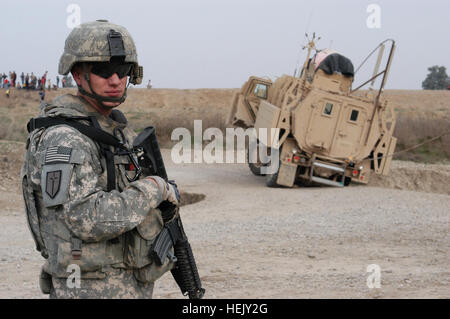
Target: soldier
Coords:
[[91, 218]]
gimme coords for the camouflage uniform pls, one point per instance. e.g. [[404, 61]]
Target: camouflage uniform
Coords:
[[120, 284], [76, 221]]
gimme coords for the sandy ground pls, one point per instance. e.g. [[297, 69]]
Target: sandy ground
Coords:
[[251, 241]]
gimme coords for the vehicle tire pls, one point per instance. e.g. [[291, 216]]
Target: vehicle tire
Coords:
[[271, 179], [255, 168], [303, 183], [347, 180]]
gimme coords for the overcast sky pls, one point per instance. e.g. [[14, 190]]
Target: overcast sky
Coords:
[[220, 43]]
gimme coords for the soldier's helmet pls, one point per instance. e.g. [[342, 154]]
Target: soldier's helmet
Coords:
[[100, 41]]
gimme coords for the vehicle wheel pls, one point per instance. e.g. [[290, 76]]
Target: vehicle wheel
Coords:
[[271, 179], [255, 168], [303, 182], [347, 180]]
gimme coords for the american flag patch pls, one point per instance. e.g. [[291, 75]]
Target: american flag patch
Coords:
[[58, 154]]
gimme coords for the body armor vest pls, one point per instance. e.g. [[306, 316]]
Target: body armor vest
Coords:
[[52, 237]]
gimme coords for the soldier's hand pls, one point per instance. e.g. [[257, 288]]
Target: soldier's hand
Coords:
[[169, 191], [172, 194]]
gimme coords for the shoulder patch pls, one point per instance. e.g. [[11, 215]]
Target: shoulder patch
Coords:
[[58, 154], [53, 183]]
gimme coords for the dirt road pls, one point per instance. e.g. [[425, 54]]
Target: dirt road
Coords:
[[256, 242]]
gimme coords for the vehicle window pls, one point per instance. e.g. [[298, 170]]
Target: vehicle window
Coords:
[[354, 115], [328, 109], [261, 91]]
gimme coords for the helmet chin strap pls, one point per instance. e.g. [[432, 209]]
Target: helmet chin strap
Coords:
[[99, 98]]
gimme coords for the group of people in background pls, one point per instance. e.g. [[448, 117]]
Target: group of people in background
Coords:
[[32, 82]]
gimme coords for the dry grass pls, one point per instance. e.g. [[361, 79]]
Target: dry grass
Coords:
[[420, 115], [414, 130], [168, 109]]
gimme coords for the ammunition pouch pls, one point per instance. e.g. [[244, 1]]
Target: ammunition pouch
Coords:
[[131, 251], [138, 245], [93, 259]]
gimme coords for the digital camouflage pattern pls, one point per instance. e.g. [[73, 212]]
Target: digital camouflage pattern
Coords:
[[106, 222], [119, 284], [89, 43]]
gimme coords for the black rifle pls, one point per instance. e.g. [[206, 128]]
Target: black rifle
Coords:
[[185, 271]]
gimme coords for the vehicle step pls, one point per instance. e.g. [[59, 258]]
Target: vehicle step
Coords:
[[326, 181], [330, 167]]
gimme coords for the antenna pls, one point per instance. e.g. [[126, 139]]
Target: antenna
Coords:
[[311, 46], [303, 46]]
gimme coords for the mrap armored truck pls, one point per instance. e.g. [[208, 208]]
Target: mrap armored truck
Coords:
[[327, 132]]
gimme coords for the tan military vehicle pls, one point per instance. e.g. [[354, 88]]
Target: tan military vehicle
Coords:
[[328, 133]]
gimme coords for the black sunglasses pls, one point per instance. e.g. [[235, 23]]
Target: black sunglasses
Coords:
[[107, 69]]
